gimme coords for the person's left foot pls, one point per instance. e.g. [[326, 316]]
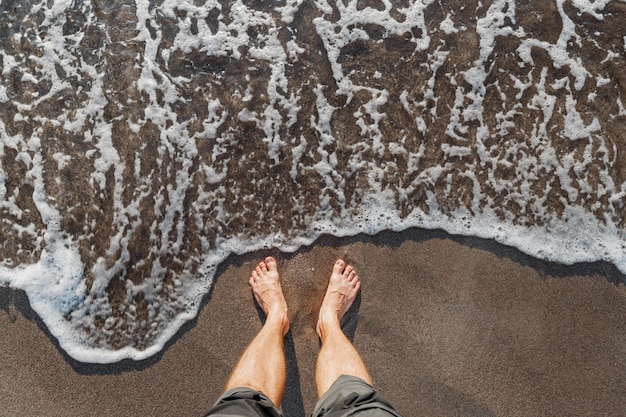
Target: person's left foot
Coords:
[[265, 283]]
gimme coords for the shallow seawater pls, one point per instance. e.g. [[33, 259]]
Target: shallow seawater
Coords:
[[142, 142]]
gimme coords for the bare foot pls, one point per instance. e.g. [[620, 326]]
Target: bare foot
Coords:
[[343, 288], [265, 283]]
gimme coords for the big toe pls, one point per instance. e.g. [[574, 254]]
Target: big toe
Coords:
[[271, 264], [339, 266]]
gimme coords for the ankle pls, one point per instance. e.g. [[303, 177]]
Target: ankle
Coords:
[[327, 323], [279, 318]]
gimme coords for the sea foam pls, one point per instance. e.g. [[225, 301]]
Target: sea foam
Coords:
[[141, 143]]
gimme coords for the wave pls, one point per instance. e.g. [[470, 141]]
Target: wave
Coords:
[[142, 142]]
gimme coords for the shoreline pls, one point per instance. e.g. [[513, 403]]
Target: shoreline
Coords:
[[446, 324]]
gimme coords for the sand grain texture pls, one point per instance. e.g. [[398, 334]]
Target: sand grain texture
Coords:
[[448, 326]]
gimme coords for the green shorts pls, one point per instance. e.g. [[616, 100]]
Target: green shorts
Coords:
[[348, 396]]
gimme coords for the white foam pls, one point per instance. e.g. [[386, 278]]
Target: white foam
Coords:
[[447, 25], [54, 279]]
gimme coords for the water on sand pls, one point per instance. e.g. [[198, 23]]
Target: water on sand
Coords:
[[141, 142]]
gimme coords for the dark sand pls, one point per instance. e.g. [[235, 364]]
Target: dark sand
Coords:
[[448, 327]]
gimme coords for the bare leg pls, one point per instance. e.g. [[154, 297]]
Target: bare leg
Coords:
[[262, 366], [337, 355]]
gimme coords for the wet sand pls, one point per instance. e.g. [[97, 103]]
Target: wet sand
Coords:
[[448, 326]]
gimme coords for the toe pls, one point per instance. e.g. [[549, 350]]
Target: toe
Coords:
[[271, 263], [339, 266], [348, 271]]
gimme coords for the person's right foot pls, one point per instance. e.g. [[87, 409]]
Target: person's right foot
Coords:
[[343, 288]]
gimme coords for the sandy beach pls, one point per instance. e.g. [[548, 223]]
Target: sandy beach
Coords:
[[143, 141], [448, 326]]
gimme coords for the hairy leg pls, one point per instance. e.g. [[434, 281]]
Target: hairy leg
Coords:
[[337, 355], [262, 366]]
